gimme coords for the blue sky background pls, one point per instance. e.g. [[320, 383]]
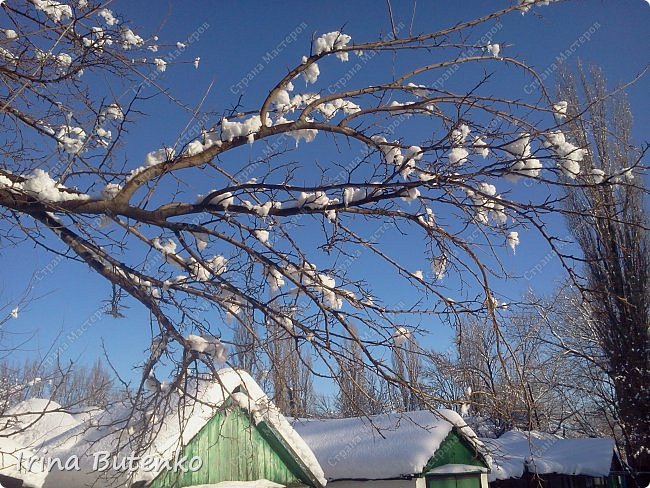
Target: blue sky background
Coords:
[[238, 36]]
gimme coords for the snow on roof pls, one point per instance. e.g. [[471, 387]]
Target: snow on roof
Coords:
[[457, 469], [242, 484], [380, 446], [35, 420], [541, 453], [176, 422]]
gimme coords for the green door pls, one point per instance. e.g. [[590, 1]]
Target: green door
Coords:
[[466, 481]]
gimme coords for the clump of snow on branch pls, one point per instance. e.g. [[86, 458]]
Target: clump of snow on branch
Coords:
[[42, 187], [108, 16], [525, 164], [513, 240], [311, 72], [525, 5], [559, 110], [493, 49], [485, 202], [569, 155], [210, 346], [54, 10], [159, 156], [274, 278], [330, 109], [480, 147], [332, 41], [597, 175], [439, 266], [410, 195], [224, 200], [421, 91], [112, 112], [111, 190], [248, 128], [14, 313], [161, 64], [458, 154], [401, 336], [71, 139], [261, 235], [131, 39]]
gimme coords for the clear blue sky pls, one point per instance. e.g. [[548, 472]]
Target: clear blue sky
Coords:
[[232, 45]]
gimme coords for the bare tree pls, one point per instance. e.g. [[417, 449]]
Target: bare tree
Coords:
[[359, 394], [407, 363], [286, 219], [609, 220], [535, 386]]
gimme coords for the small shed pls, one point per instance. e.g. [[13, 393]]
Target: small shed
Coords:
[[521, 459], [227, 423], [421, 449]]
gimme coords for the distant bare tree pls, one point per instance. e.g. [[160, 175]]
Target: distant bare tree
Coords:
[[358, 393], [407, 363]]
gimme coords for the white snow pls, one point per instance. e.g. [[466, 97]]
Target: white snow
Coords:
[[513, 240], [597, 175], [11, 34], [210, 346], [457, 469], [158, 156], [42, 187], [131, 39], [330, 109], [111, 190], [113, 112], [242, 484], [457, 155], [520, 147], [559, 110], [71, 139], [439, 266], [494, 49], [401, 336], [248, 128], [380, 446], [261, 235], [224, 200], [410, 195], [14, 313], [108, 16], [569, 155], [274, 278], [54, 10], [332, 41], [480, 147], [311, 73], [196, 62], [161, 64], [517, 451]]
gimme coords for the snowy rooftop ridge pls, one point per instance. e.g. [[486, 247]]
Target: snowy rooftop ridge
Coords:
[[517, 451], [385, 446]]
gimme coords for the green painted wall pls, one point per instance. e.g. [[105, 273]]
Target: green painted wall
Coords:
[[233, 449], [454, 450]]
